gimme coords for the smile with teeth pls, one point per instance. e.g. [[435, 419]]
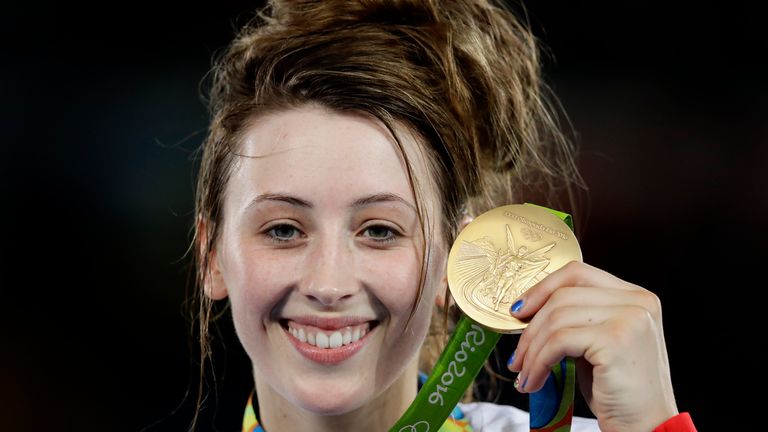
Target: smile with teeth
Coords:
[[328, 338]]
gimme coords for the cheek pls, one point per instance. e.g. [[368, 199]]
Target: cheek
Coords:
[[255, 285], [252, 276], [393, 277]]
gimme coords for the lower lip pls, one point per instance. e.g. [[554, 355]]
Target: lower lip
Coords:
[[328, 356]]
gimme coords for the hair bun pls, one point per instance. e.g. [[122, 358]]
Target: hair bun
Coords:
[[464, 74]]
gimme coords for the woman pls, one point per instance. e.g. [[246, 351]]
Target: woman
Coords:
[[350, 142]]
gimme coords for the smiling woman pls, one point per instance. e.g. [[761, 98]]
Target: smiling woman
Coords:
[[328, 251], [350, 141]]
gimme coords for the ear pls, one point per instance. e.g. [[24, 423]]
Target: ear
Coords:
[[214, 286], [443, 291]]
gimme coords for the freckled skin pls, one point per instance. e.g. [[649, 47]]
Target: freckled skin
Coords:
[[330, 261]]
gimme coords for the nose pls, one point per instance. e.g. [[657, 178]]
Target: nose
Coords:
[[330, 276]]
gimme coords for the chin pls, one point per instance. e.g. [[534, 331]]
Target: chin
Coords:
[[331, 398]]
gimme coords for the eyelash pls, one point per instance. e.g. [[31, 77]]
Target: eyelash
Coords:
[[269, 233], [392, 236]]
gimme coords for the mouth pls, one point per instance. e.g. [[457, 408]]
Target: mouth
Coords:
[[328, 341]]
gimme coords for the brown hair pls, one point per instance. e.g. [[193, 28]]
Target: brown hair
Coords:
[[463, 75]]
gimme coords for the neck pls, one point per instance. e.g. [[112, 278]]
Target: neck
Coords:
[[277, 414]]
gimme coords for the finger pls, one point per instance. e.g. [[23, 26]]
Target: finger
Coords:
[[560, 318], [584, 298], [566, 342], [572, 274], [618, 330]]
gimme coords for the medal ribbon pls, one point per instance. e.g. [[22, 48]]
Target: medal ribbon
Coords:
[[551, 408]]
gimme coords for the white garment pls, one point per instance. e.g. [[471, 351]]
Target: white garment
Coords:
[[488, 417]]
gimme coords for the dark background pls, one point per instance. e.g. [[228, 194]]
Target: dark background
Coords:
[[101, 112]]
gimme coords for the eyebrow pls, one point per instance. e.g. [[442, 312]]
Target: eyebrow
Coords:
[[360, 202], [381, 197], [288, 199]]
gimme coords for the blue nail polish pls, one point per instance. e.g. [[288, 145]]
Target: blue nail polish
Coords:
[[511, 359], [517, 306], [525, 383]]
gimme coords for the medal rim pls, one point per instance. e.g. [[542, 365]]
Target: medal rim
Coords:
[[537, 214]]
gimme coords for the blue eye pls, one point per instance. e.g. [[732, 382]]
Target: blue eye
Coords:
[[282, 233], [380, 233]]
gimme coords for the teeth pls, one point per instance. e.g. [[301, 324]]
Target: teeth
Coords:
[[328, 339], [322, 340], [335, 340]]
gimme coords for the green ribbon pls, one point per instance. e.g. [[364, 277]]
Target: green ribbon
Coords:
[[465, 354], [469, 347]]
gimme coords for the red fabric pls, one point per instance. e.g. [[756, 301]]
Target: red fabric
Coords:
[[679, 423]]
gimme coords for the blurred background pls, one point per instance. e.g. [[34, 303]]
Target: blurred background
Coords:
[[101, 113]]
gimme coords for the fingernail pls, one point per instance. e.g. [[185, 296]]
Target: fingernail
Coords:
[[520, 388], [511, 360], [517, 306]]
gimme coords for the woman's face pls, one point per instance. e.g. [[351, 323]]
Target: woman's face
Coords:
[[320, 253]]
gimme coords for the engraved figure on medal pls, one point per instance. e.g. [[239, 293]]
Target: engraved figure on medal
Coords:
[[490, 277]]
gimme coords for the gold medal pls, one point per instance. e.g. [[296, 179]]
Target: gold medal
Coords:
[[500, 255]]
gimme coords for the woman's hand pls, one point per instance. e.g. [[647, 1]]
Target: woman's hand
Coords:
[[613, 329]]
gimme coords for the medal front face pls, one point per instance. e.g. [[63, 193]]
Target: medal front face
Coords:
[[500, 255]]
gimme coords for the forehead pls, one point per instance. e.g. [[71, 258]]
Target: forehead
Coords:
[[325, 155]]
